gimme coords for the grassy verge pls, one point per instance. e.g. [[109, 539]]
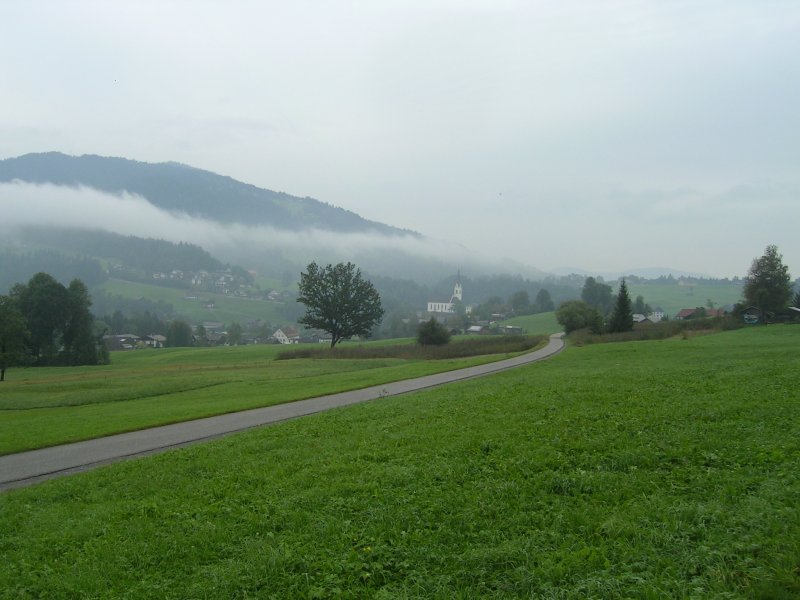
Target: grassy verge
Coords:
[[49, 406], [666, 469]]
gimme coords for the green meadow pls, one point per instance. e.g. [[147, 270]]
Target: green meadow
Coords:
[[660, 469], [226, 310], [538, 324], [47, 406], [674, 297]]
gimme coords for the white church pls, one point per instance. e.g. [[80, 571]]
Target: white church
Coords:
[[448, 308]]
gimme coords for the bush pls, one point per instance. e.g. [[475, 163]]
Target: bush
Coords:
[[432, 333], [576, 314]]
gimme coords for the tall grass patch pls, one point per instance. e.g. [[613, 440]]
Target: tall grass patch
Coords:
[[461, 348]]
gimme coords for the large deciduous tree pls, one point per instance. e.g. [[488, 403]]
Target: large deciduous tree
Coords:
[[622, 317], [59, 324], [339, 301], [179, 334], [234, 333], [577, 314], [597, 295], [13, 335], [519, 302], [80, 347], [768, 285], [43, 302], [544, 303]]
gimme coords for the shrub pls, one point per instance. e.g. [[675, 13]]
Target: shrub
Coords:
[[432, 333]]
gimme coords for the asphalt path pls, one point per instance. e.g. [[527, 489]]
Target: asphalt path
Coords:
[[27, 468]]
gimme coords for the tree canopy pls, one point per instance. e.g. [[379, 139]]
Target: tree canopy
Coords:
[[179, 334], [544, 303], [577, 314], [597, 295], [768, 284], [56, 327], [13, 335], [339, 301]]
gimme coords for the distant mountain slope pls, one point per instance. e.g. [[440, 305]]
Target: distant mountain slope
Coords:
[[177, 187]]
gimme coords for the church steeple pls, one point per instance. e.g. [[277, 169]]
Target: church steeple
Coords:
[[457, 290]]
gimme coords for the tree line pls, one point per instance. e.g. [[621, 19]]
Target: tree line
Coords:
[[767, 287], [45, 323]]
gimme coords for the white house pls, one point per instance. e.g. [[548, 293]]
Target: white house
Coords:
[[287, 335]]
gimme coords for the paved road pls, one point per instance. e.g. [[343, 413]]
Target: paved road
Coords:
[[26, 468]]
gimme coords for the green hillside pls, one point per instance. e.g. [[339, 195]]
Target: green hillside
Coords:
[[177, 187], [189, 304], [673, 297], [633, 470]]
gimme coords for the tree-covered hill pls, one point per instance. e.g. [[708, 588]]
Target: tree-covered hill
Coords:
[[176, 187]]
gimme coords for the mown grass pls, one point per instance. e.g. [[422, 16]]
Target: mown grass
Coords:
[[539, 324], [673, 297], [666, 469], [47, 406]]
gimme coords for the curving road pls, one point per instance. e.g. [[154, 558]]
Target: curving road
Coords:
[[26, 468]]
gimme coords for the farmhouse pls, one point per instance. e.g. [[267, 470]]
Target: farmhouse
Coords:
[[286, 335], [685, 313], [125, 341], [155, 340]]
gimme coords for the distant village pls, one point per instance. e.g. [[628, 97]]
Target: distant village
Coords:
[[452, 312], [226, 282]]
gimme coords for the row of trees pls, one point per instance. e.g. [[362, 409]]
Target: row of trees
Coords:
[[768, 287], [45, 323], [580, 314]]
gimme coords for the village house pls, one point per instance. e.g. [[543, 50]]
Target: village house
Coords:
[[685, 313], [154, 340], [286, 335], [124, 341]]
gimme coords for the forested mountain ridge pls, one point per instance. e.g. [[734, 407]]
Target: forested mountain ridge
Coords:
[[196, 192]]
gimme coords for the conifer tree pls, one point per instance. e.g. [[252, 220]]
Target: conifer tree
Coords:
[[622, 317]]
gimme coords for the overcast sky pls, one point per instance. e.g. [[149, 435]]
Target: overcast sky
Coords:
[[605, 135]]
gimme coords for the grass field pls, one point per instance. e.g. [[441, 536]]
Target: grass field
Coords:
[[47, 406], [540, 324], [666, 469], [672, 298]]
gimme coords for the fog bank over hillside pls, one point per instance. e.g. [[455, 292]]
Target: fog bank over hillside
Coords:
[[260, 247]]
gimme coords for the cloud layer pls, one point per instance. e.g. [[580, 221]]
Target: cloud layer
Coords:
[[46, 205]]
